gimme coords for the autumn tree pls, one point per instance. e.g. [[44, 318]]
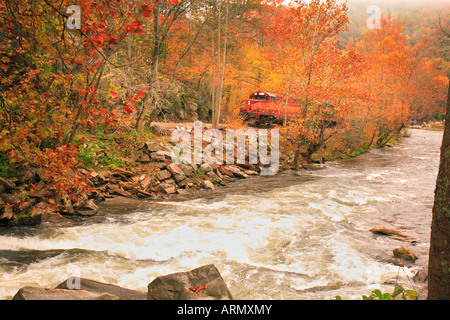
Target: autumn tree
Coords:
[[310, 68], [50, 76], [398, 79]]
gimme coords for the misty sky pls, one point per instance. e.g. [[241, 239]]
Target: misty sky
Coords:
[[396, 3]]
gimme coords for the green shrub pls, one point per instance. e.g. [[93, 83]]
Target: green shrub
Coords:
[[4, 165], [86, 157], [399, 292]]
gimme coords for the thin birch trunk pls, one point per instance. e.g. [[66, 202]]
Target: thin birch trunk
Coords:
[[222, 76]]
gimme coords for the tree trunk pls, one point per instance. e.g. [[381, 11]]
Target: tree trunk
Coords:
[[217, 98], [439, 258], [222, 74]]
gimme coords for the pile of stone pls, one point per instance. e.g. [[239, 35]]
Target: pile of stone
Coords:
[[165, 179], [169, 178]]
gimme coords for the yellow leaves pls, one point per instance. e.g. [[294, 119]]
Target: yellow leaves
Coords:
[[5, 59]]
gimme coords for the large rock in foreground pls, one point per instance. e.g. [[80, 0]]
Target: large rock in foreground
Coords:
[[99, 287], [34, 293], [204, 283]]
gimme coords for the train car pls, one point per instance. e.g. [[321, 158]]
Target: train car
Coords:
[[267, 108], [264, 107]]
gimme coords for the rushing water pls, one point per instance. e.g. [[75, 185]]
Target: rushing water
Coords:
[[296, 235]]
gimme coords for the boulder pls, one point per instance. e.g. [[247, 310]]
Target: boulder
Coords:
[[99, 287], [104, 175], [163, 175], [176, 171], [89, 208], [7, 213], [146, 182], [174, 168], [166, 188], [161, 155], [128, 186], [213, 176], [421, 275], [48, 214], [28, 174], [34, 293], [115, 189], [42, 193], [237, 172], [134, 155], [187, 169], [123, 173], [32, 218], [144, 158], [94, 178], [392, 233], [205, 168], [223, 170], [405, 254], [7, 184], [81, 199], [184, 183], [179, 177], [208, 185], [182, 285], [153, 146], [160, 131], [43, 209], [157, 156], [68, 207]]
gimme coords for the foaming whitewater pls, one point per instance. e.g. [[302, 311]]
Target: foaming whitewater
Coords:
[[297, 235]]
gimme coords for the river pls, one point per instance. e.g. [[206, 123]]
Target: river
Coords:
[[295, 235]]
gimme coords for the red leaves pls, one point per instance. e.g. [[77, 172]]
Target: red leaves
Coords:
[[197, 289], [147, 10], [97, 64], [133, 27], [112, 40], [129, 108], [99, 39], [114, 95]]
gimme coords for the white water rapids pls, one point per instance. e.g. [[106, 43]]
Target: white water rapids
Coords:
[[300, 235]]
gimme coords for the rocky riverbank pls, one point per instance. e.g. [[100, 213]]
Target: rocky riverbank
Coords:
[[149, 174]]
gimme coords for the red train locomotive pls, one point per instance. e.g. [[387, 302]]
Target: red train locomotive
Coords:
[[263, 107], [267, 108]]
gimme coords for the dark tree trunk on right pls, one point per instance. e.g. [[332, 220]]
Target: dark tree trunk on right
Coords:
[[439, 260]]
